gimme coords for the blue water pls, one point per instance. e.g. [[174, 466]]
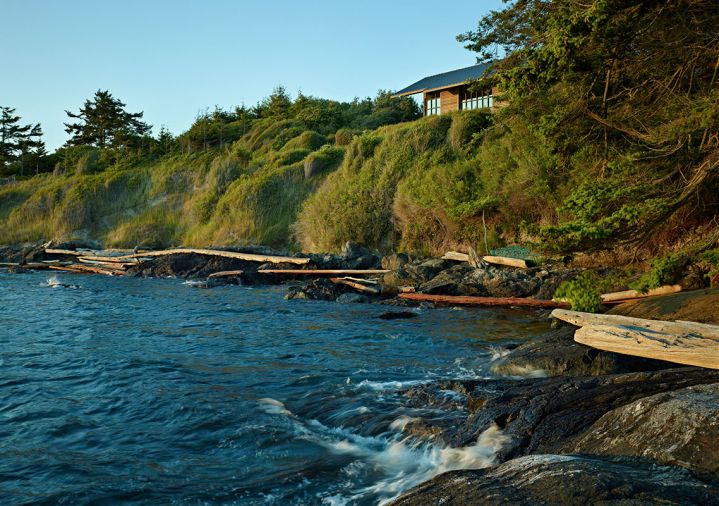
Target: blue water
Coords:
[[153, 392]]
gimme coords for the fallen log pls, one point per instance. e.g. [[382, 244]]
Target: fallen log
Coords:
[[406, 289], [224, 274], [219, 253], [103, 263], [482, 301], [456, 256], [86, 269], [581, 319], [627, 295], [681, 348], [357, 286], [68, 252], [506, 261], [324, 272]]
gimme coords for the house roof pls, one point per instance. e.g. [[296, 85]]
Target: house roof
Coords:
[[445, 80]]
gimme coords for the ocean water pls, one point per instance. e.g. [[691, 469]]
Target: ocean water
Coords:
[[148, 391]]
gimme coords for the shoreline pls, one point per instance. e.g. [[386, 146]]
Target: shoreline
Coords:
[[588, 412]]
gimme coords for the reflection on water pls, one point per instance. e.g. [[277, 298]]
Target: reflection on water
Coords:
[[127, 390]]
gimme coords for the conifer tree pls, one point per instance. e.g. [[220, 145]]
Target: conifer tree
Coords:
[[104, 122], [12, 135]]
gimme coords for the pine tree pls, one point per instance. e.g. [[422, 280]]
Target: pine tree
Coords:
[[105, 123], [12, 135]]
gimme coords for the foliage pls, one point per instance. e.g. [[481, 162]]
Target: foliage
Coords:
[[665, 269], [615, 89], [104, 122], [581, 293]]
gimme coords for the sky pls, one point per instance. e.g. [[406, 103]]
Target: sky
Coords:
[[172, 59]]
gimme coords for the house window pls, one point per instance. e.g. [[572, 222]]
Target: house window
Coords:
[[477, 100], [433, 107]]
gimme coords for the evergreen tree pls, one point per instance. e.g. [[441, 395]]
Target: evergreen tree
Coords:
[[12, 135], [165, 140], [104, 122]]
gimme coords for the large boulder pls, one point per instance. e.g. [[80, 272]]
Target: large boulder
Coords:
[[679, 428], [547, 415], [696, 305], [565, 479]]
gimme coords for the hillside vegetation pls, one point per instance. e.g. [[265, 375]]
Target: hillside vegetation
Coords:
[[609, 138]]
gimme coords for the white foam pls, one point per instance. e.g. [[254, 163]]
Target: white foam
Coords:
[[400, 423], [273, 406]]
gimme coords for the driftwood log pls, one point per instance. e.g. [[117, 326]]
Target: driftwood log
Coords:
[[506, 261], [482, 301], [689, 348], [581, 319], [251, 257], [224, 274], [324, 272], [627, 295], [356, 286]]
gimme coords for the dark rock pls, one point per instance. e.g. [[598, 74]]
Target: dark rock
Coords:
[[546, 415], [395, 261], [397, 315], [423, 271], [679, 428], [556, 354], [353, 250], [319, 289], [565, 479], [447, 282], [75, 244]]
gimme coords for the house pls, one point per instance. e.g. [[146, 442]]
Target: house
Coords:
[[449, 91]]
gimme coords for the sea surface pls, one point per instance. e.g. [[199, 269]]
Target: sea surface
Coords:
[[149, 391]]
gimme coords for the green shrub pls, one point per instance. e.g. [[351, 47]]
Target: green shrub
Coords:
[[664, 270], [327, 158], [344, 136], [465, 127], [582, 293], [307, 140]]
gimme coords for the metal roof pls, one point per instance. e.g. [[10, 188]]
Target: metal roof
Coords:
[[445, 80]]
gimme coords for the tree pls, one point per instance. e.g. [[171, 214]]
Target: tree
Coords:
[[104, 122], [32, 149], [12, 135], [623, 91]]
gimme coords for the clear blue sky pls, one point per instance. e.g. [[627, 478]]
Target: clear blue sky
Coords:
[[174, 58]]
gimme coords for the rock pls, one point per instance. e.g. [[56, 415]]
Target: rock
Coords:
[[395, 261], [76, 244], [679, 428], [565, 479], [698, 305], [319, 289], [547, 415], [353, 298], [556, 354], [354, 250], [447, 282], [423, 271]]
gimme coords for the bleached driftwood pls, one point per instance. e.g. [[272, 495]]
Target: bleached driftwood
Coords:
[[689, 348], [356, 286], [506, 261], [324, 272], [581, 319], [224, 274], [251, 257], [627, 295], [456, 256]]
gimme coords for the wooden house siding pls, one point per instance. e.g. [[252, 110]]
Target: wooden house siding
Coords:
[[449, 99]]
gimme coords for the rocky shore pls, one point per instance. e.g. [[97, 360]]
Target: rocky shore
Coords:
[[579, 425]]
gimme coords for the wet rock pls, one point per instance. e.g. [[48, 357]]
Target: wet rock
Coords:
[[352, 298], [546, 415], [556, 354], [679, 428], [319, 289], [354, 250], [565, 479]]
